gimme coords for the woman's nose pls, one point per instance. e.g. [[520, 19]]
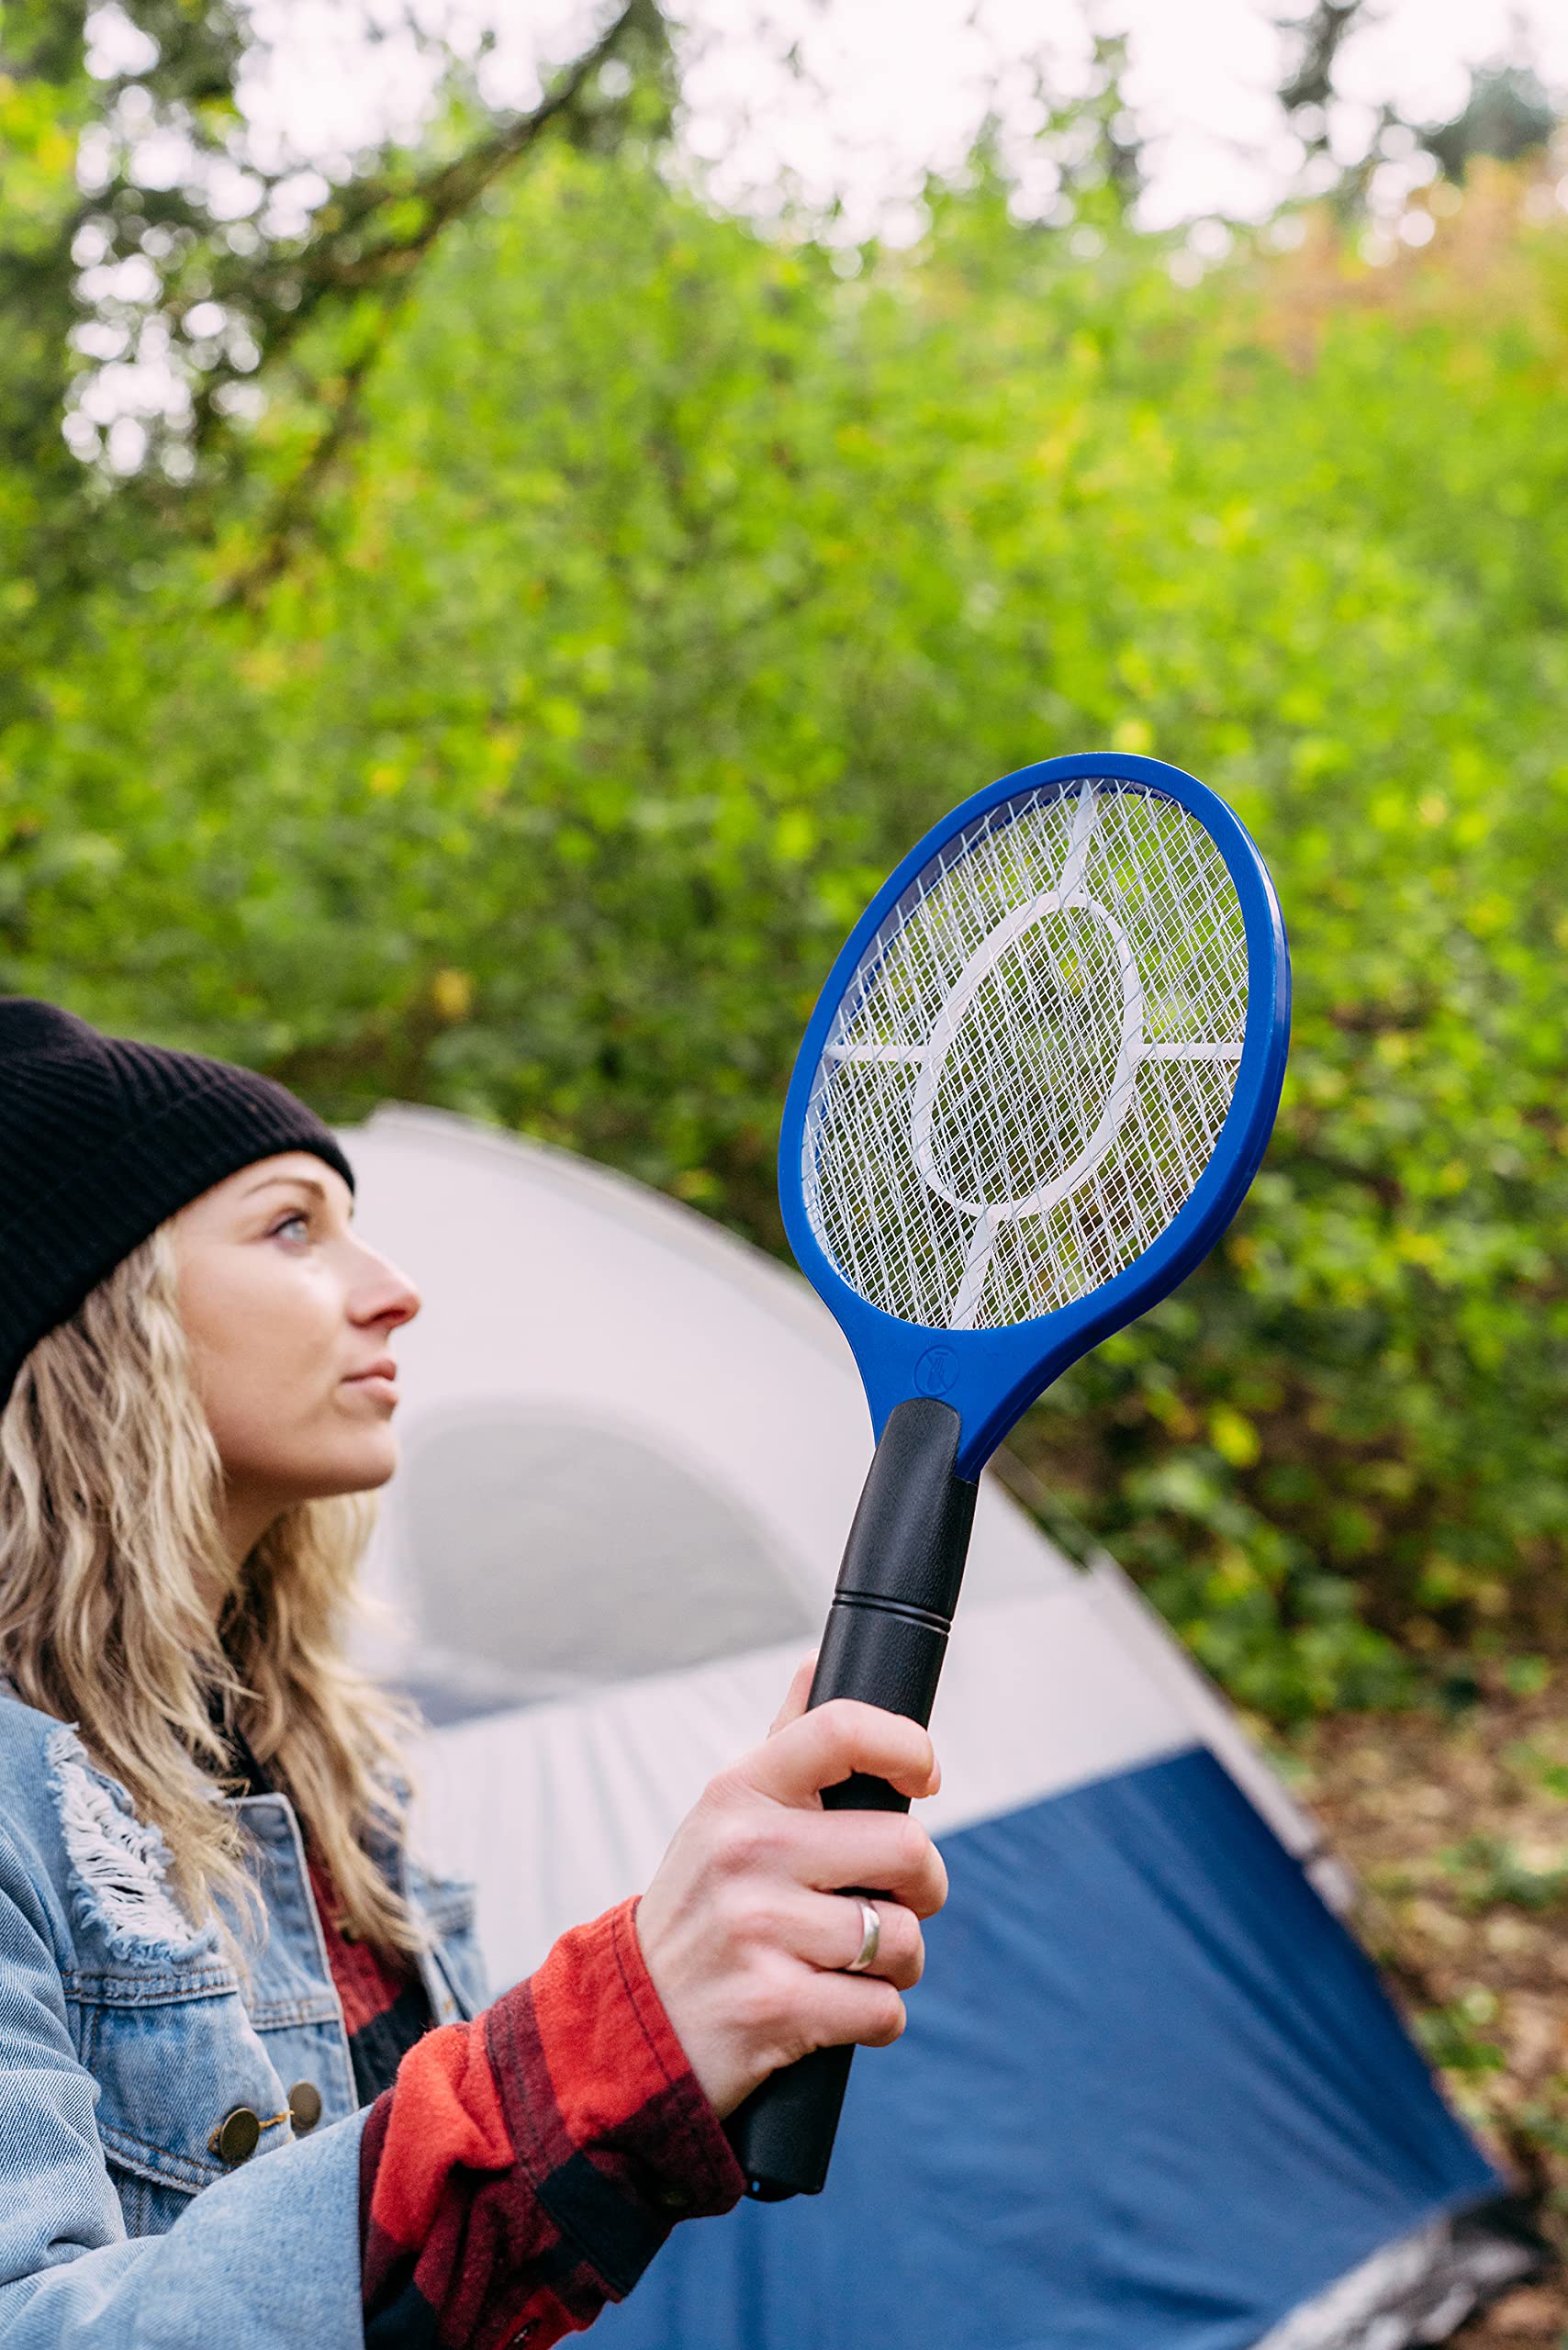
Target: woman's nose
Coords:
[[390, 1297]]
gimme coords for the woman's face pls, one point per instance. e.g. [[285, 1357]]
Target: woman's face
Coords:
[[283, 1305]]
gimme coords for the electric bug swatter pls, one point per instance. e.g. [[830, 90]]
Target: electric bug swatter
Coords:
[[1034, 1091]]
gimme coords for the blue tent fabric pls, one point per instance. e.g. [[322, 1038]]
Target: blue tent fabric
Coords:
[[1152, 2097]]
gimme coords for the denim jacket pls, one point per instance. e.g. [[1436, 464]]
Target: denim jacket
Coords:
[[128, 2041]]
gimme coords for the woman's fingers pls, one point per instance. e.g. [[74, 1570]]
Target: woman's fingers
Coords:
[[825, 1932], [799, 1689], [830, 1930], [885, 1850], [818, 1749], [843, 2008], [746, 1928], [757, 1850]]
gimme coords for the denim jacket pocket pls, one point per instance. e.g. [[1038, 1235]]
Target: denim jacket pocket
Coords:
[[446, 1905], [175, 2057]]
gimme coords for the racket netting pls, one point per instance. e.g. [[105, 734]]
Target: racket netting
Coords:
[[1031, 1069]]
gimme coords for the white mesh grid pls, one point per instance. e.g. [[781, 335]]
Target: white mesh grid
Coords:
[[1031, 1068]]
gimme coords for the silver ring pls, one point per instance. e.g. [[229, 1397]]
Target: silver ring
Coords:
[[866, 1957]]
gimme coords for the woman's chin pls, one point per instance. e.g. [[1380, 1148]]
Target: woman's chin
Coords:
[[359, 1469], [383, 1464]]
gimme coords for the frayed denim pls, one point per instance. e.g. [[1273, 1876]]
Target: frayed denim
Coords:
[[128, 2035]]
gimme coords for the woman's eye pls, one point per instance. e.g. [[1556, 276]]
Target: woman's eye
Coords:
[[298, 1217]]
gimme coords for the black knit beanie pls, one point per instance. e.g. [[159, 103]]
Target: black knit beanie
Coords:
[[101, 1138]]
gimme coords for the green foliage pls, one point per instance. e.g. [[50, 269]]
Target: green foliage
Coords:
[[1536, 1769], [1454, 2036], [166, 240], [1543, 2121], [678, 581], [138, 234], [1489, 1871]]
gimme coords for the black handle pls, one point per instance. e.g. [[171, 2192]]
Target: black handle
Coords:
[[886, 1636]]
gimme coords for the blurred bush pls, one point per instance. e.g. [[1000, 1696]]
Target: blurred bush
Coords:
[[533, 755]]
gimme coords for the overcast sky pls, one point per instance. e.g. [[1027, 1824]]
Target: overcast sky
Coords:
[[893, 86]]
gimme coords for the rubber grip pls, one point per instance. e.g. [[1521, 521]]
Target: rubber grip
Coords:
[[884, 1643]]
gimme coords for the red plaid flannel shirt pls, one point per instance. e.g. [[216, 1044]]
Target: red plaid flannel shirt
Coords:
[[525, 2168]]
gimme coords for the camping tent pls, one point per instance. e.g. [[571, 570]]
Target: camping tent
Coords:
[[1151, 2092]]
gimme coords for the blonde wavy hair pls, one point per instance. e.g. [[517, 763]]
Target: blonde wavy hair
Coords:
[[111, 1553]]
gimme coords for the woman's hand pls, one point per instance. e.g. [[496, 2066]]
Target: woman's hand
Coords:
[[741, 1930]]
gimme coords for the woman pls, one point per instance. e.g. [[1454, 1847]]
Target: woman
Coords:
[[248, 2086]]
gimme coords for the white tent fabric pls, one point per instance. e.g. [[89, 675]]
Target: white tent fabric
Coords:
[[631, 1447]]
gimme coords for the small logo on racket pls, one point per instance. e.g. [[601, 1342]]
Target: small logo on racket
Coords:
[[936, 1370]]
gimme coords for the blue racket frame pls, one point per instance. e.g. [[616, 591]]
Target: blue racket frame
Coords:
[[990, 1376]]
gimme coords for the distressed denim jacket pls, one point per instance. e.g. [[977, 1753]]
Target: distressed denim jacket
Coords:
[[127, 2041]]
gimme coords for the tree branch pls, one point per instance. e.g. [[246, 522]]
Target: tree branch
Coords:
[[1321, 34], [349, 260]]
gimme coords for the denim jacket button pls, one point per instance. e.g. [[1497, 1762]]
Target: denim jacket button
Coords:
[[238, 2135], [304, 2105]]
